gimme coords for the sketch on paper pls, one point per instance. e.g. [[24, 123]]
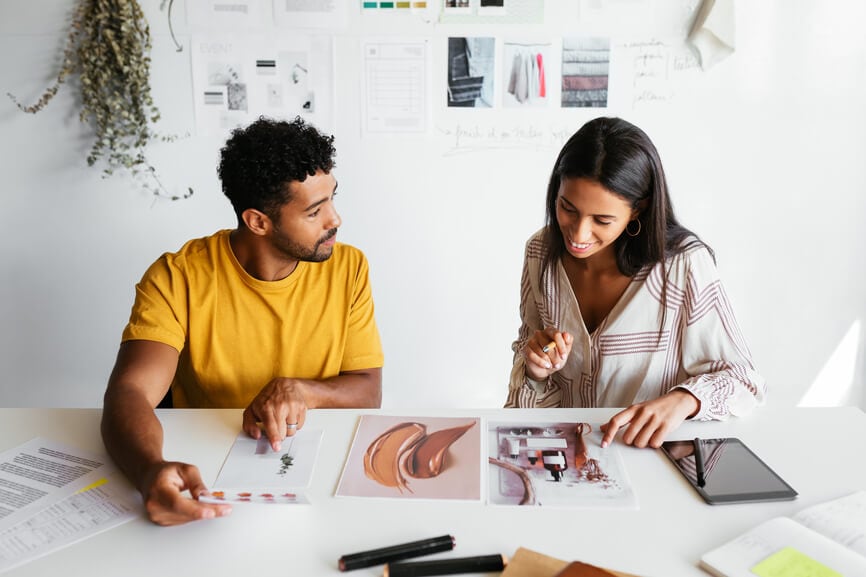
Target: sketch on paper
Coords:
[[254, 473], [585, 72], [298, 94], [470, 72], [555, 464], [414, 458]]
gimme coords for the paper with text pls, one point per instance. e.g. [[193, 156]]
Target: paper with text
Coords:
[[826, 537], [843, 520], [108, 503], [395, 80], [331, 14], [42, 471], [225, 14]]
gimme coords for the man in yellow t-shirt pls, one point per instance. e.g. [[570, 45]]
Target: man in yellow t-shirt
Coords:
[[274, 316]]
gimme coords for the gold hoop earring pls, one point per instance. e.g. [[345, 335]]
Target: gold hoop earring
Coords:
[[635, 233]]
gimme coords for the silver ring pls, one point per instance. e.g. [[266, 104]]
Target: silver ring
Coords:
[[292, 425]]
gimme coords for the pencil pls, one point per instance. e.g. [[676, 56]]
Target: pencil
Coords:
[[479, 564], [396, 552], [549, 346]]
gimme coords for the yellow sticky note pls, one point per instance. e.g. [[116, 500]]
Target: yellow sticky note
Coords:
[[789, 562]]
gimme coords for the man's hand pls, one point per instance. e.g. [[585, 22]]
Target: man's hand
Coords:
[[280, 407], [650, 422], [162, 488]]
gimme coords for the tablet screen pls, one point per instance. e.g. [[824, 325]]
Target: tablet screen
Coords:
[[731, 472]]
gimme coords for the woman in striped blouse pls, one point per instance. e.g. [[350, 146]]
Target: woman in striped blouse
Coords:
[[620, 305]]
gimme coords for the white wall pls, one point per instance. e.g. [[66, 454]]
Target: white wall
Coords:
[[764, 154]]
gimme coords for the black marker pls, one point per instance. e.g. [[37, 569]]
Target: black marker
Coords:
[[699, 463], [396, 552], [480, 564]]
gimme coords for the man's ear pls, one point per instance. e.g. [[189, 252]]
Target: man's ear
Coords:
[[257, 222]]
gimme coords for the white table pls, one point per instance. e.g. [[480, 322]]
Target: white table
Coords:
[[810, 448]]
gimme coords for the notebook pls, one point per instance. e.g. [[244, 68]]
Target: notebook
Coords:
[[825, 540]]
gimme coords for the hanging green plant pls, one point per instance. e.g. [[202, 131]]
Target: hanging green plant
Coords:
[[108, 46]]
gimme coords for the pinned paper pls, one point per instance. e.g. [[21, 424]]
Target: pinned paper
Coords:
[[789, 562], [713, 31]]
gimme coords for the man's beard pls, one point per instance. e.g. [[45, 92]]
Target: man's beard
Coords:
[[294, 251]]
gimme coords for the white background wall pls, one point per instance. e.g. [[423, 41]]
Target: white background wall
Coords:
[[764, 154]]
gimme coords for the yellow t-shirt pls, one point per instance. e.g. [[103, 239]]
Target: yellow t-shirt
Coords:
[[235, 333]]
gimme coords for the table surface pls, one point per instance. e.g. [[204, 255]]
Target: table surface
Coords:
[[665, 536]]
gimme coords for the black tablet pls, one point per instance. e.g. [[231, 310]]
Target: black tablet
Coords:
[[727, 471]]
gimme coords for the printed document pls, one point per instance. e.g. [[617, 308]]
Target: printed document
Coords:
[[52, 495]]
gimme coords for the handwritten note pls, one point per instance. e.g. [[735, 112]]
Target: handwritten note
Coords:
[[657, 68], [789, 562], [843, 520], [651, 63], [465, 138]]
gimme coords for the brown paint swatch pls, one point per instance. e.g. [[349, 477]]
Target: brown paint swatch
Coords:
[[427, 457], [406, 450]]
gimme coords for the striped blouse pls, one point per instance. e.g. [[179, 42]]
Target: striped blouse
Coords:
[[626, 360]]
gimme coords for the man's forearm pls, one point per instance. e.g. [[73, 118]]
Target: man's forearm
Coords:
[[351, 389], [132, 434]]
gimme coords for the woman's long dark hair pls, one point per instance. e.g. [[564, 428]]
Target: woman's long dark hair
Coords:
[[620, 157]]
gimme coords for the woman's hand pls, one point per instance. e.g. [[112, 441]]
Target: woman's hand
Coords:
[[546, 352], [650, 422]]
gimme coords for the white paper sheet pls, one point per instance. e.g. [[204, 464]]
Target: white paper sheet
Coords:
[[254, 473], [331, 14], [395, 79], [713, 33], [42, 471], [109, 503], [843, 520], [236, 79], [233, 15]]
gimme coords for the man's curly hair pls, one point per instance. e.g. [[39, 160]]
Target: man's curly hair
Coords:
[[258, 162]]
